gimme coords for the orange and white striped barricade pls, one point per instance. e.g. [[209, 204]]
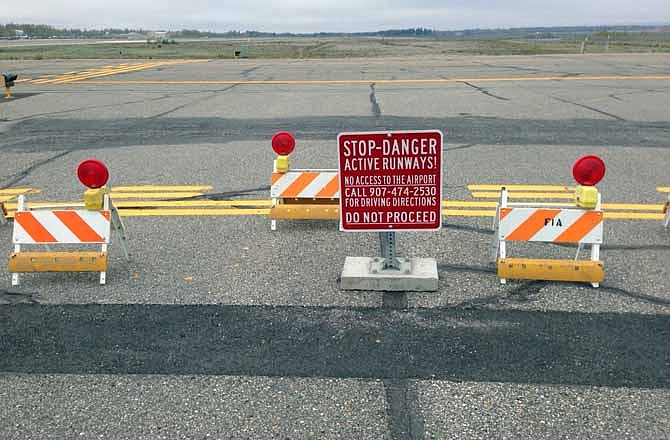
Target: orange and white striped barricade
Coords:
[[304, 195], [549, 225], [67, 227], [301, 194]]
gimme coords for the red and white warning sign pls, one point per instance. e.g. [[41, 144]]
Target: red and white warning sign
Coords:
[[390, 181]]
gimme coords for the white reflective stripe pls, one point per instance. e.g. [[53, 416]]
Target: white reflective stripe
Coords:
[[317, 185], [284, 182], [97, 221], [20, 236], [51, 223], [551, 231], [61, 233], [595, 236], [513, 220]]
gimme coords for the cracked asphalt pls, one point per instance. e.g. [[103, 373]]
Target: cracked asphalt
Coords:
[[220, 328]]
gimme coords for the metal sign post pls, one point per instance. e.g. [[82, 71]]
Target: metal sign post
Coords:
[[388, 245]]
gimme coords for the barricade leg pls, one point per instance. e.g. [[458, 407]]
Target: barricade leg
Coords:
[[503, 255], [666, 220], [595, 256], [502, 248], [273, 222]]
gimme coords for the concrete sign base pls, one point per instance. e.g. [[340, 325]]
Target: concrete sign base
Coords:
[[415, 275]]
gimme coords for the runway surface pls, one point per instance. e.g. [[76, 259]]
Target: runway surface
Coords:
[[220, 328]]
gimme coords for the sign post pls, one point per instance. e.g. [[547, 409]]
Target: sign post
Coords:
[[390, 181]]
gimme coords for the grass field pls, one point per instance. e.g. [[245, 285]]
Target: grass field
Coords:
[[307, 47]]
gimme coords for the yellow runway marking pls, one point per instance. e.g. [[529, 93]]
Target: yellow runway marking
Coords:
[[632, 216], [468, 213], [189, 212], [72, 77], [524, 195], [466, 204], [161, 188], [191, 203], [17, 191], [385, 81], [663, 189], [521, 188], [152, 195], [633, 207]]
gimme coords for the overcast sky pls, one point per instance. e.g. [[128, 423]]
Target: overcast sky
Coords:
[[333, 15]]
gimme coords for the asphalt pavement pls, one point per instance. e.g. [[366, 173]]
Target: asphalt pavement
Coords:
[[221, 328]]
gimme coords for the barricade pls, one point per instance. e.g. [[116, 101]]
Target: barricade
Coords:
[[666, 210], [300, 194], [47, 226], [580, 225]]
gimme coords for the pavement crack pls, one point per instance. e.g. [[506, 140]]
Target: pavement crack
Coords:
[[376, 110], [15, 297], [227, 194], [465, 268], [485, 91], [394, 300], [16, 178], [636, 295], [459, 227], [403, 411], [588, 107], [211, 95], [527, 289], [460, 147]]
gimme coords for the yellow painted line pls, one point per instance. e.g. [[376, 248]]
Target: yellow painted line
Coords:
[[633, 216], [161, 188], [95, 73], [468, 213], [108, 71], [190, 203], [156, 203], [153, 195], [13, 205], [477, 204], [633, 206], [524, 195], [189, 212], [18, 191], [521, 187], [6, 198], [388, 81], [99, 74], [663, 189]]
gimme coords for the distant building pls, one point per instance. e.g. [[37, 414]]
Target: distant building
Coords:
[[20, 35], [157, 36]]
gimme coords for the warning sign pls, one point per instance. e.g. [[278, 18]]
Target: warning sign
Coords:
[[390, 180]]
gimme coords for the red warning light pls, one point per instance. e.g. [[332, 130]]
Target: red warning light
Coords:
[[92, 173], [283, 143], [588, 170]]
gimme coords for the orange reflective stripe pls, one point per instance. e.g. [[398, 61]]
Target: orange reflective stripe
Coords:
[[299, 184], [105, 214], [78, 226], [580, 228], [532, 225], [504, 212], [34, 228], [331, 188], [276, 177]]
